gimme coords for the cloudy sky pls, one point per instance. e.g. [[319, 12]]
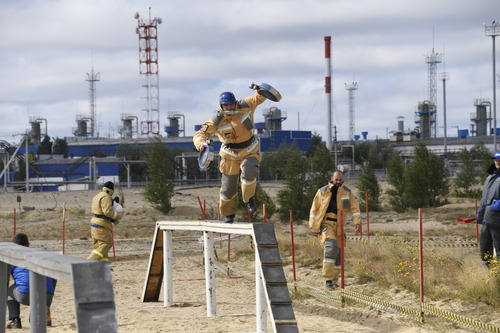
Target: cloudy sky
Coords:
[[205, 47]]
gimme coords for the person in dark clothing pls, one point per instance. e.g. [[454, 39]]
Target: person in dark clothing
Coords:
[[18, 292], [489, 213]]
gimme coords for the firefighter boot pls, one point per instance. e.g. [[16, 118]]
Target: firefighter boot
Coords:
[[252, 205]]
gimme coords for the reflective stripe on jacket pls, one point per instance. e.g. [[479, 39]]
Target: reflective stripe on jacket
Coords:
[[345, 201], [234, 128], [102, 204]]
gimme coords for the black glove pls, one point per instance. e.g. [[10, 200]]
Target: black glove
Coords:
[[254, 86], [117, 200]]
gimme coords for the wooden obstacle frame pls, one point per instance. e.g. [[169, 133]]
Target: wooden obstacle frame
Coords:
[[272, 292]]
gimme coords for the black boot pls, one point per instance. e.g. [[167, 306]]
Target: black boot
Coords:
[[252, 205], [15, 323], [229, 218]]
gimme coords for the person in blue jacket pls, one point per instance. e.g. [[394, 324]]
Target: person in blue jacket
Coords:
[[19, 291], [489, 213]]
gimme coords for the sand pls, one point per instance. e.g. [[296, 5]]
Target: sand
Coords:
[[40, 215]]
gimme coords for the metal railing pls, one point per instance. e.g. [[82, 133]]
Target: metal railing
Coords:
[[95, 309]]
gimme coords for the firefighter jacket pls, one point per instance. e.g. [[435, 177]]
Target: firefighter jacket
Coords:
[[345, 201], [102, 209], [491, 191], [234, 131]]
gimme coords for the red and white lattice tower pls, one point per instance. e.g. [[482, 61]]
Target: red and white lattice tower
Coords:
[[148, 68]]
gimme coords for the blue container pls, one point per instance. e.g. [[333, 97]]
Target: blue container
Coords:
[[463, 133]]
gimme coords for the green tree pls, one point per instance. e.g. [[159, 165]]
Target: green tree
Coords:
[[21, 170], [377, 153], [45, 147], [322, 163], [396, 179], [269, 165], [466, 176], [426, 179], [368, 182], [137, 171], [483, 155], [159, 168], [316, 141], [292, 196], [61, 147], [322, 168]]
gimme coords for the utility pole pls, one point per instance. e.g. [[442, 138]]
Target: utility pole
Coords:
[[335, 146], [492, 31], [444, 76]]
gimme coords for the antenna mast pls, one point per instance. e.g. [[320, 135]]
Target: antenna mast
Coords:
[[351, 88], [92, 78], [148, 68]]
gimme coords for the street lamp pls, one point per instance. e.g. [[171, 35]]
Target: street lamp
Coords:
[[492, 31]]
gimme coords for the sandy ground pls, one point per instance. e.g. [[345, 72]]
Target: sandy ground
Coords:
[[40, 215]]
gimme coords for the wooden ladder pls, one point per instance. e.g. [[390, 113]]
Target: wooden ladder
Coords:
[[278, 296]]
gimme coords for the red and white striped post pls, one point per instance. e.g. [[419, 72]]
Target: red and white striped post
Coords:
[[328, 91]]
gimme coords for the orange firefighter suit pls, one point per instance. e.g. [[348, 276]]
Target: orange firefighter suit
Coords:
[[105, 212], [327, 225], [240, 150]]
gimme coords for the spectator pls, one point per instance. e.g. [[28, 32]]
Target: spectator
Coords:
[[18, 292], [489, 213]]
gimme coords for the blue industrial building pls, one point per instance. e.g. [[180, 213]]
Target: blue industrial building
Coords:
[[95, 161]]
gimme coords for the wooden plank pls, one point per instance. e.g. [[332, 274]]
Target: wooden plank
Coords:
[[154, 274]]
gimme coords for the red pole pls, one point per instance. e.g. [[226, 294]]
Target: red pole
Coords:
[[342, 249], [202, 210], [293, 246], [63, 226], [421, 255], [367, 218], [477, 224], [14, 221]]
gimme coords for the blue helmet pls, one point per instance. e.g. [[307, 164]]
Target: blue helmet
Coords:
[[227, 97]]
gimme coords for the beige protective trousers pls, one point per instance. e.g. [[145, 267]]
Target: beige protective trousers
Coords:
[[331, 246], [230, 167], [102, 241]]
